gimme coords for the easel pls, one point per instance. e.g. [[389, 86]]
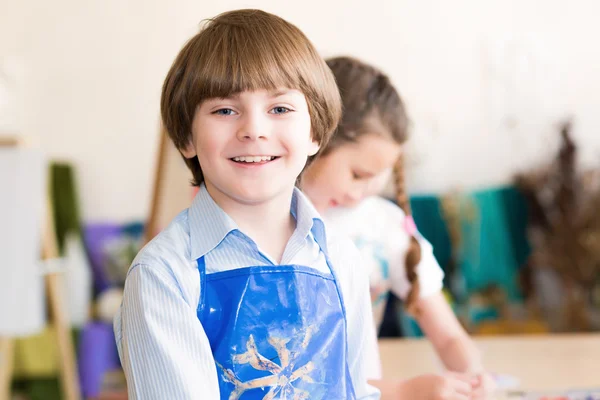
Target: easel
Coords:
[[54, 293], [172, 191]]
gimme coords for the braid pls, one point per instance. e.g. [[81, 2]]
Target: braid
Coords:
[[413, 255]]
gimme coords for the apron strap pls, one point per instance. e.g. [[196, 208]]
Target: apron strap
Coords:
[[202, 270], [340, 296]]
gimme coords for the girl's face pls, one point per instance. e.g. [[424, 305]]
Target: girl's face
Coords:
[[350, 172]]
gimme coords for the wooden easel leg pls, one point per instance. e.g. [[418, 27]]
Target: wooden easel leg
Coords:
[[7, 350], [68, 369], [58, 314]]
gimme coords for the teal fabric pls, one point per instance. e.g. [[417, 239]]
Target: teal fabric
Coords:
[[493, 237], [493, 245], [516, 216]]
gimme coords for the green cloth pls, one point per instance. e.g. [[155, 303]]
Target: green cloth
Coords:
[[39, 389], [43, 387], [64, 202]]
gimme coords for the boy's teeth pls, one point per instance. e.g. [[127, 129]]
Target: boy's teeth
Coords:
[[250, 159]]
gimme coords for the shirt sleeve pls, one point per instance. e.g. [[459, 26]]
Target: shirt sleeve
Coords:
[[363, 354], [397, 241], [162, 345]]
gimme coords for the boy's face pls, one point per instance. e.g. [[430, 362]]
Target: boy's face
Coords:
[[252, 146], [351, 172]]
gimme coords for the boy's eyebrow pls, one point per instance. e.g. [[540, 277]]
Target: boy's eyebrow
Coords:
[[231, 96], [272, 94], [279, 92]]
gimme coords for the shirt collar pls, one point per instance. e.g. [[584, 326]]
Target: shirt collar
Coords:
[[210, 225], [308, 219]]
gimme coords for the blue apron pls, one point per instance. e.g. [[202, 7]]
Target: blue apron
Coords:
[[276, 332]]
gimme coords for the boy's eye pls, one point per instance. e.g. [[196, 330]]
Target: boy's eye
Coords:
[[280, 110], [224, 111], [356, 176]]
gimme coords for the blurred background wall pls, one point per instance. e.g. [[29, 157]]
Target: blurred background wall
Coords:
[[485, 82]]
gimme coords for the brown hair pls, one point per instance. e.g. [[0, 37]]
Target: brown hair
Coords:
[[371, 104], [246, 50]]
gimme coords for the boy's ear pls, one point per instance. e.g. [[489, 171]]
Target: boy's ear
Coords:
[[189, 151], [313, 148]]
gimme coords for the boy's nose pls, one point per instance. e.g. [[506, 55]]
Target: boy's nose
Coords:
[[253, 127]]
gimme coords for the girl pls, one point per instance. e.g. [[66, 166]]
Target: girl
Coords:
[[361, 155]]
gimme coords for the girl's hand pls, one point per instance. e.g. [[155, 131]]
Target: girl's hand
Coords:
[[484, 387], [437, 387], [483, 384]]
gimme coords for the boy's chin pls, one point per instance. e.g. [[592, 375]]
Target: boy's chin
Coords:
[[250, 193], [256, 196]]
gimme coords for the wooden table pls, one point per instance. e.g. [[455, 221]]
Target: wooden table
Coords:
[[544, 362]]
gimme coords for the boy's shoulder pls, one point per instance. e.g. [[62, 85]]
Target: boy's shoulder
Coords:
[[170, 247], [166, 261]]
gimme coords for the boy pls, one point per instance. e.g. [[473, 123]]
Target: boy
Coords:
[[237, 297]]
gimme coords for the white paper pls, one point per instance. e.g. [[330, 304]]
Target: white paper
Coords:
[[22, 201]]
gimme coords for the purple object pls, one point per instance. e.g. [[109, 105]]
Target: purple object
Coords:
[[95, 236], [97, 356]]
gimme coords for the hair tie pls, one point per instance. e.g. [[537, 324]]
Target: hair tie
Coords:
[[409, 225]]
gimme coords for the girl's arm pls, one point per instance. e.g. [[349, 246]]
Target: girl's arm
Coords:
[[451, 342], [457, 351]]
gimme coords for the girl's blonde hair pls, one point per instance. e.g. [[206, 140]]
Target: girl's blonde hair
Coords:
[[373, 106], [246, 50]]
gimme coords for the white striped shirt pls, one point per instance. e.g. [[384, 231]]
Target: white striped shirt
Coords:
[[162, 345]]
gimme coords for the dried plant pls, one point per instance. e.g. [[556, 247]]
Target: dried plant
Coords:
[[564, 220]]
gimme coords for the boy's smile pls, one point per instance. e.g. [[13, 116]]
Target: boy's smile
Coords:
[[253, 161]]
